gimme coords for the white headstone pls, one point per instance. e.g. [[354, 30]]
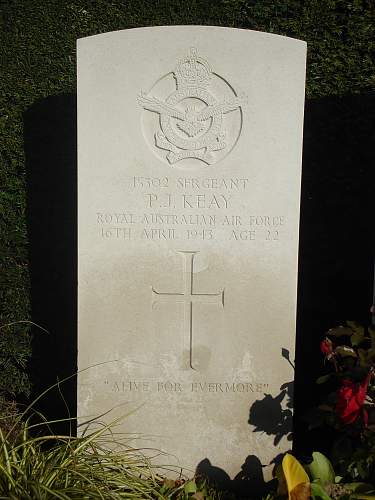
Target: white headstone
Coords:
[[189, 164]]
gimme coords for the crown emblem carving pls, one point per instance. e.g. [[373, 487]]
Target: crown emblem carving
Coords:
[[193, 71], [192, 118]]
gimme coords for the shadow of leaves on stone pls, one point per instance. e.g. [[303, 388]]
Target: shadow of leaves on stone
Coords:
[[273, 415]]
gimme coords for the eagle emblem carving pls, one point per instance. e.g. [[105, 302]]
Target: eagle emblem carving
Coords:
[[191, 118]]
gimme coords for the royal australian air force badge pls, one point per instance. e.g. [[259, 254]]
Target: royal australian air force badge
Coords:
[[200, 119]]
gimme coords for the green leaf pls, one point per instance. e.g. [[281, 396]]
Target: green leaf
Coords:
[[168, 484], [190, 487], [371, 354], [323, 379], [317, 491], [326, 408], [321, 468], [340, 331], [362, 354], [362, 496], [356, 327], [362, 469], [356, 339], [345, 352], [198, 496], [358, 335], [359, 487], [371, 331]]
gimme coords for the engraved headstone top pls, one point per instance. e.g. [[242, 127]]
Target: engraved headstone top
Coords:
[[189, 158], [192, 120]]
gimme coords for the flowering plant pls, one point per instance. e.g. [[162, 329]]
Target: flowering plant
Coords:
[[350, 408], [351, 351]]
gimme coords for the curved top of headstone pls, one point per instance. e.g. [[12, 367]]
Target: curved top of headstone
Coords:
[[192, 28], [195, 80]]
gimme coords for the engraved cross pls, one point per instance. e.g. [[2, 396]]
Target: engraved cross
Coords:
[[188, 297]]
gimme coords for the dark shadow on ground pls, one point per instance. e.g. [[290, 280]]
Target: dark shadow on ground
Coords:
[[50, 148]]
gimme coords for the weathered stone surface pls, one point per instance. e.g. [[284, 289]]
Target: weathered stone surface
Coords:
[[189, 182]]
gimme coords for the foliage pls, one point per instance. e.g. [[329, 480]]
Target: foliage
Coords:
[[297, 480], [99, 464], [15, 350], [350, 401], [317, 480], [9, 422], [320, 468]]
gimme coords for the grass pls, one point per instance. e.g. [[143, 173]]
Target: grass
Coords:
[[97, 465], [37, 464]]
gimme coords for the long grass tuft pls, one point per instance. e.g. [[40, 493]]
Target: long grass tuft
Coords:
[[66, 467], [97, 465], [37, 464]]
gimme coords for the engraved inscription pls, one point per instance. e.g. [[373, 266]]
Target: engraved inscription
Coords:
[[159, 226], [192, 119], [191, 208], [202, 387], [188, 297]]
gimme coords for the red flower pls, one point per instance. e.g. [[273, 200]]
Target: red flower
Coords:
[[326, 347], [351, 399]]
